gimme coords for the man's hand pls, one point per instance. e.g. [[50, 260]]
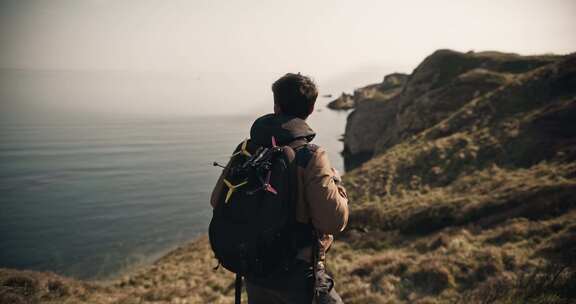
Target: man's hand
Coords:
[[338, 181]]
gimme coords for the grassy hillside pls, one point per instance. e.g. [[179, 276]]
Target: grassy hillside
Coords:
[[469, 196], [478, 206]]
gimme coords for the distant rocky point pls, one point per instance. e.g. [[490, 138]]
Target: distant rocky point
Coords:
[[391, 84], [344, 102]]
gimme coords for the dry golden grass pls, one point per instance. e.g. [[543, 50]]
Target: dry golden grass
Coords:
[[185, 275], [427, 249], [478, 208]]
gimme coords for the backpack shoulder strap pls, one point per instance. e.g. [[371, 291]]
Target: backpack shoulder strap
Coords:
[[292, 155], [304, 154], [298, 143]]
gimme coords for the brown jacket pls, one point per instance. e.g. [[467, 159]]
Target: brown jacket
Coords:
[[321, 199]]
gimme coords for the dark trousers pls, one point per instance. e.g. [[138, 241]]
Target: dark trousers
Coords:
[[293, 285]]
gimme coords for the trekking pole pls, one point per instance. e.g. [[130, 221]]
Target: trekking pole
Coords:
[[315, 254], [238, 289]]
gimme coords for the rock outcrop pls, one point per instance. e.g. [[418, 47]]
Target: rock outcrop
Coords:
[[390, 86], [343, 102], [440, 86]]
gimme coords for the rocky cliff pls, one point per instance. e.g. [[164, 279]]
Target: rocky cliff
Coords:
[[440, 86], [470, 193]]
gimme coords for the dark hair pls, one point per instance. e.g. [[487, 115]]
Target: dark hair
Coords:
[[295, 94]]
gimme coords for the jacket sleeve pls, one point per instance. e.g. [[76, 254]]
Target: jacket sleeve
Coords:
[[327, 199]]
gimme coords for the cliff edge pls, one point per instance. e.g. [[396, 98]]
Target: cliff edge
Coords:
[[467, 191], [441, 85]]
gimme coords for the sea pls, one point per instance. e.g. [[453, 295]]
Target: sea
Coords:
[[93, 199]]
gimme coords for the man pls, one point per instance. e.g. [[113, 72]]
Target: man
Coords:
[[321, 201]]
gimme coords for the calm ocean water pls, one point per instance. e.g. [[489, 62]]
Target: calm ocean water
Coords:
[[93, 199]]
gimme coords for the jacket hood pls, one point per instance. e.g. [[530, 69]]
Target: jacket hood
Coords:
[[285, 129]]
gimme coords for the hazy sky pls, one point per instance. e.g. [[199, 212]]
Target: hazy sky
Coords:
[[220, 50]]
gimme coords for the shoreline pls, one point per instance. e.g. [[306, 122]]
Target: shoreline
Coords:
[[123, 271], [184, 271], [150, 261]]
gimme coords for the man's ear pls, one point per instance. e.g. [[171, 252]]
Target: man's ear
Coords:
[[311, 109]]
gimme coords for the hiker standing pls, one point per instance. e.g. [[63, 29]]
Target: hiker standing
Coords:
[[277, 204]]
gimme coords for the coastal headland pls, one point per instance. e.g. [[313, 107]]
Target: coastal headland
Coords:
[[462, 185]]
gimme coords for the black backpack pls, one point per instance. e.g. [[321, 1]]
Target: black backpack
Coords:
[[252, 231]]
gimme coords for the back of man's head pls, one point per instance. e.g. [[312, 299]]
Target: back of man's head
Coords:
[[295, 95]]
